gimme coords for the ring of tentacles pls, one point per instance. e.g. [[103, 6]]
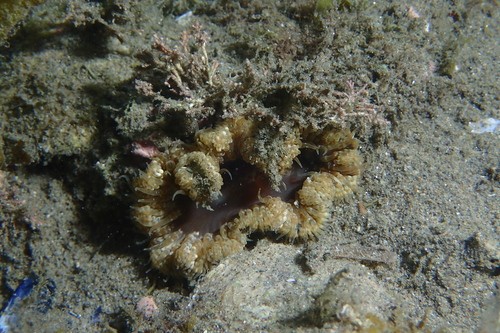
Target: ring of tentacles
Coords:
[[199, 202]]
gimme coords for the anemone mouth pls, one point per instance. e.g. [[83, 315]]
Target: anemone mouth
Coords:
[[244, 185]]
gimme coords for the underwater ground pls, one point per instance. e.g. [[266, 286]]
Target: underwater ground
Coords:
[[415, 249]]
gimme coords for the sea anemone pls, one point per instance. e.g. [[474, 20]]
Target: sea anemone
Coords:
[[199, 202]]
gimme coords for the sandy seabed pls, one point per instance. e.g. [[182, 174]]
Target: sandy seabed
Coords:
[[416, 249]]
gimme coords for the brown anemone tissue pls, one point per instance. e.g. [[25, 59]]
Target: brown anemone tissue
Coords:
[[199, 202]]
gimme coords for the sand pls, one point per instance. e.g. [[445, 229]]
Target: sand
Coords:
[[417, 247]]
